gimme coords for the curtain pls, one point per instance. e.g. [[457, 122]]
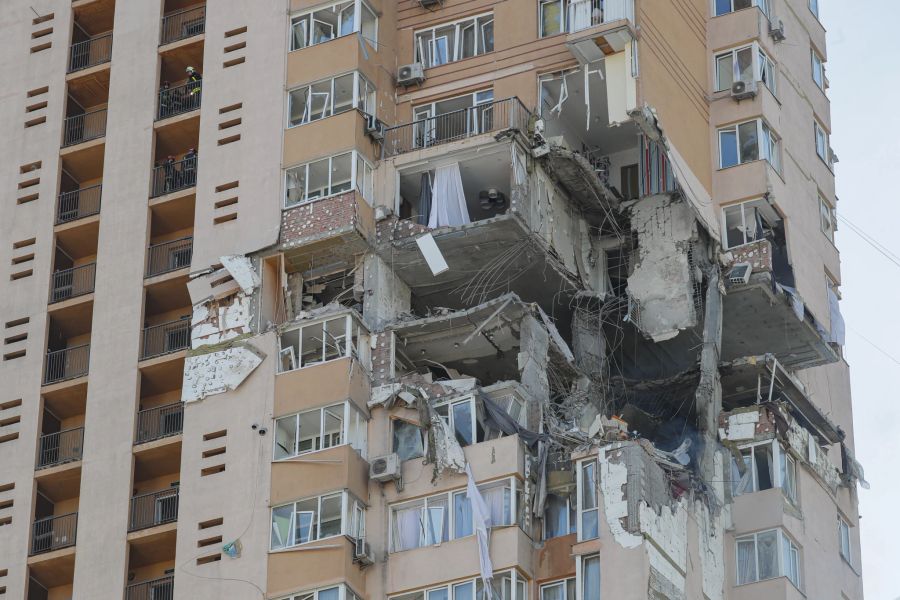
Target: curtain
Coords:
[[407, 528], [498, 503], [746, 561], [579, 15], [591, 578], [482, 522], [767, 552], [424, 199], [462, 516], [448, 200]]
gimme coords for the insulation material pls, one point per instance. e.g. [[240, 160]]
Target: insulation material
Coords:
[[217, 321], [711, 536], [665, 582], [219, 371], [432, 254], [445, 451], [613, 479], [241, 270], [662, 281], [742, 426]]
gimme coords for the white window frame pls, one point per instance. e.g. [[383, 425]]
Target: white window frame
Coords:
[[348, 507], [845, 542], [746, 209], [827, 218], [358, 165], [353, 430], [344, 593], [783, 540], [518, 588], [580, 574], [351, 348], [814, 7], [582, 465], [360, 83], [564, 584], [783, 464], [818, 69], [768, 144], [339, 8], [821, 141], [424, 117], [454, 52], [762, 5], [451, 419], [570, 518], [445, 501], [762, 69]]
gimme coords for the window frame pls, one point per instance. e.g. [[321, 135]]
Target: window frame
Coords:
[[353, 349], [353, 421], [782, 465], [358, 164], [827, 214], [309, 15], [820, 133], [581, 510], [344, 593], [580, 576], [760, 62], [518, 583], [768, 144], [454, 53], [744, 206], [359, 82], [782, 540], [762, 5], [349, 503], [569, 582], [818, 69], [451, 416], [814, 7], [845, 550]]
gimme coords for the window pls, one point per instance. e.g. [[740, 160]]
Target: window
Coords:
[[320, 428], [766, 555], [455, 41], [723, 7], [460, 416], [443, 517], [473, 114], [319, 342], [588, 504], [747, 64], [828, 218], [322, 99], [814, 7], [559, 516], [559, 590], [508, 585], [588, 572], [317, 518], [747, 142], [766, 465], [558, 16], [844, 539], [328, 177], [331, 22], [767, 72], [821, 141], [329, 593], [747, 222], [407, 439], [818, 69]]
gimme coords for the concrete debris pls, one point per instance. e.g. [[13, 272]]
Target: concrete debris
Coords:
[[218, 371], [241, 270]]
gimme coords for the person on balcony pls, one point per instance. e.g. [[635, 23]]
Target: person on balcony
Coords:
[[189, 170], [169, 171], [194, 79]]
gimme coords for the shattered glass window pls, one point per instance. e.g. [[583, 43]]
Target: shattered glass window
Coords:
[[588, 508], [559, 518], [408, 441]]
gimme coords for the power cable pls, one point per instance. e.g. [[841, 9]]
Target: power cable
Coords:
[[883, 250]]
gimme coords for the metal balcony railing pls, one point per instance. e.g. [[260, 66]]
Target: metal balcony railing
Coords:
[[169, 256], [89, 53], [77, 204], [71, 283], [154, 508], [159, 422], [84, 127], [183, 24], [178, 99], [456, 125], [60, 447], [173, 176], [67, 363], [53, 533], [165, 338], [155, 589]]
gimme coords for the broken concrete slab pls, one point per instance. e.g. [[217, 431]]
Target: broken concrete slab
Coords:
[[219, 371]]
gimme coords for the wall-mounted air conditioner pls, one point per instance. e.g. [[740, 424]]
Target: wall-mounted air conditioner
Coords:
[[776, 29], [412, 74], [743, 90]]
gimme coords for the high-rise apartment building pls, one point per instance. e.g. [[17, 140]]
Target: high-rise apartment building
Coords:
[[421, 300]]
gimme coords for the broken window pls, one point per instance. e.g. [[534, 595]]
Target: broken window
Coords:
[[460, 416], [315, 518], [766, 555], [453, 118], [454, 41], [724, 7], [747, 222], [319, 429], [588, 502], [557, 16], [551, 21], [844, 539], [407, 439], [321, 99], [747, 142], [559, 516], [320, 179], [319, 342], [766, 465], [448, 516], [559, 590], [630, 178], [818, 69]]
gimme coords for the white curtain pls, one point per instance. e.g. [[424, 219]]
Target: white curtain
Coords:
[[407, 528], [767, 552], [579, 15], [498, 503], [448, 200], [746, 561], [482, 520]]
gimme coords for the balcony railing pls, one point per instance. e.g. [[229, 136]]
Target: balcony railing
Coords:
[[180, 99], [165, 338], [77, 204], [53, 533], [67, 363], [183, 24], [173, 176], [89, 53], [84, 127], [60, 447], [154, 508], [456, 125], [155, 589], [159, 422], [169, 256], [71, 283]]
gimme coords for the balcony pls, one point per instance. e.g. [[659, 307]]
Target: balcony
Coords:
[[182, 24], [71, 283], [91, 52], [456, 125], [78, 204], [179, 99], [159, 422], [174, 175], [166, 257], [65, 364], [165, 338], [153, 508], [60, 447], [155, 589], [53, 533], [84, 127]]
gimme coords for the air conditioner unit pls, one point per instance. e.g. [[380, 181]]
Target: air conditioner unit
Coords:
[[362, 553], [740, 274], [374, 128], [430, 3], [413, 74], [743, 90], [776, 29], [385, 468]]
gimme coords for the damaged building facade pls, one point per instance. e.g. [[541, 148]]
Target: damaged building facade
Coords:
[[428, 300]]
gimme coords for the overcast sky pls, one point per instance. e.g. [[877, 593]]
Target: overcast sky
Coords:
[[863, 38]]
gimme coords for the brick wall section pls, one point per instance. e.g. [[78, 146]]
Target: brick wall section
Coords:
[[381, 358], [758, 254], [765, 427], [319, 219]]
